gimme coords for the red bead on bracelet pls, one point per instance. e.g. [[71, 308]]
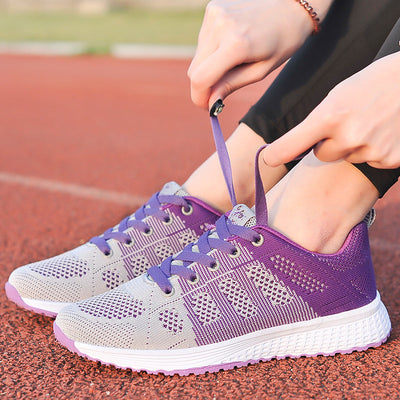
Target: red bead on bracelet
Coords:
[[315, 20]]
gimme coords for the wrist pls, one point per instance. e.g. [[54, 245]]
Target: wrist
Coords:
[[313, 11]]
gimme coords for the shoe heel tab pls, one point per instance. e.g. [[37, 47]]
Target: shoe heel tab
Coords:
[[370, 217]]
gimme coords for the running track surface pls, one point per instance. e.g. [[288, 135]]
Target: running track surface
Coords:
[[84, 141]]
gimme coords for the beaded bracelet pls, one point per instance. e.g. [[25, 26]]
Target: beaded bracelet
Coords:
[[315, 20]]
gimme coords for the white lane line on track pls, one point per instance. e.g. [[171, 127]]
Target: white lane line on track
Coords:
[[154, 51], [44, 48], [88, 192], [120, 50]]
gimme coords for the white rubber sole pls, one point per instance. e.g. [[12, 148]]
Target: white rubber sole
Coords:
[[354, 330], [52, 307]]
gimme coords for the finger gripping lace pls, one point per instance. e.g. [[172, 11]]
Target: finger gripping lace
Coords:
[[154, 207], [198, 253]]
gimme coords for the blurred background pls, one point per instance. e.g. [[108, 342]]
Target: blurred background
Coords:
[[95, 26]]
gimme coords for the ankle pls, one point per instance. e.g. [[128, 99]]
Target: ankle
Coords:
[[318, 233], [317, 204]]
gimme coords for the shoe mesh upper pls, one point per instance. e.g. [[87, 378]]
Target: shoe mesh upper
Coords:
[[65, 266], [117, 305], [86, 271], [205, 308], [267, 285], [112, 278], [238, 297]]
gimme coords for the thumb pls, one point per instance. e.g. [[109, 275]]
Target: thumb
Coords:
[[295, 142], [206, 75]]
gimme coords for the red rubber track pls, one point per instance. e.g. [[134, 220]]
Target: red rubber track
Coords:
[[128, 127]]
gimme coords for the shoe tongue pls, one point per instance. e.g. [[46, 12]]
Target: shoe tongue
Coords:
[[242, 215], [172, 188]]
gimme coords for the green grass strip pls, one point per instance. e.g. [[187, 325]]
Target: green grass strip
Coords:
[[101, 31]]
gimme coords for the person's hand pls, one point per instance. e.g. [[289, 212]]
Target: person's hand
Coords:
[[242, 41], [359, 121]]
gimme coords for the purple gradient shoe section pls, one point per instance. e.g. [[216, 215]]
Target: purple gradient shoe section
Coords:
[[290, 286], [14, 296], [203, 204]]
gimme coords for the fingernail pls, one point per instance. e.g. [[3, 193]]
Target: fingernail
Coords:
[[265, 156], [265, 161], [216, 108]]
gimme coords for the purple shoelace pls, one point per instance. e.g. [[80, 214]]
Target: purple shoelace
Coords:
[[152, 208], [208, 241], [223, 156], [224, 228]]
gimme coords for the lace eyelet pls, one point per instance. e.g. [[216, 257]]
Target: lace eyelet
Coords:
[[129, 243], [258, 242], [188, 211], [195, 280], [170, 293], [148, 232], [148, 279], [235, 253], [108, 253], [168, 221], [214, 266]]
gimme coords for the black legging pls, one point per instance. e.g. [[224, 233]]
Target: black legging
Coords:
[[351, 35]]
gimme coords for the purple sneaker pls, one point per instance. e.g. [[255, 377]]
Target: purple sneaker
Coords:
[[240, 294], [165, 225]]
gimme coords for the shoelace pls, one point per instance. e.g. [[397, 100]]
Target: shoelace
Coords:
[[197, 253], [223, 156], [152, 208], [217, 238]]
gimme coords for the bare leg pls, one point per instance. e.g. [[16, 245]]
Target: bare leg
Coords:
[[208, 183], [317, 204]]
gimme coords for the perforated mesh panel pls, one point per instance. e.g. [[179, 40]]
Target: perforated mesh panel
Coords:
[[298, 275], [64, 266], [186, 237], [137, 313], [112, 279], [164, 250], [205, 308], [238, 297], [171, 321], [271, 287], [115, 304], [251, 222], [140, 265], [181, 193]]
